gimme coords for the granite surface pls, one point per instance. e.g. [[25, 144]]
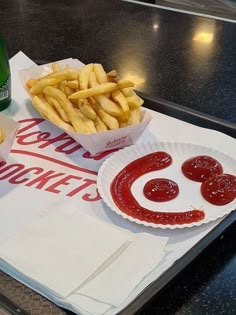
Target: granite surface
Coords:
[[205, 287], [182, 58]]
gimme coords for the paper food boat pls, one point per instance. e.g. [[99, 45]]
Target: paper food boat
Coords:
[[9, 128], [97, 142]]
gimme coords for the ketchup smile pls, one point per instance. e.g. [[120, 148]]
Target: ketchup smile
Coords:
[[125, 201]]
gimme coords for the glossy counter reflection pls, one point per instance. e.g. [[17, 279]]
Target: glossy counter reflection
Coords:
[[187, 66], [186, 59]]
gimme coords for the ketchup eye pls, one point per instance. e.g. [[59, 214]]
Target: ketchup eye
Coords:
[[201, 167], [160, 189], [220, 189]]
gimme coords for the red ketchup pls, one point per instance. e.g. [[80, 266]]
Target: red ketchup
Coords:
[[160, 189], [219, 190], [125, 201], [201, 167]]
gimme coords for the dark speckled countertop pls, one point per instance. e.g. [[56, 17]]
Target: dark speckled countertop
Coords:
[[186, 59], [182, 58]]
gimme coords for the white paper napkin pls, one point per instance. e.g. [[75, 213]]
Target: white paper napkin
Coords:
[[119, 279], [67, 253], [60, 250]]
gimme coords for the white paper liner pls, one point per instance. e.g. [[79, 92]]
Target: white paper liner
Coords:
[[189, 197], [180, 240], [10, 128], [97, 142]]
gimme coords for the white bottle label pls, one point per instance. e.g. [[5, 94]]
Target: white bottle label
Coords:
[[4, 90]]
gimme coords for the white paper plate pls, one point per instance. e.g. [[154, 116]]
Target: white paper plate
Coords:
[[189, 197]]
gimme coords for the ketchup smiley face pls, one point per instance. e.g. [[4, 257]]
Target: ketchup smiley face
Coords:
[[216, 187], [125, 201]]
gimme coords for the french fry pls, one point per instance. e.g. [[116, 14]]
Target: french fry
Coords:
[[98, 90], [74, 103], [93, 80], [119, 97], [87, 109], [31, 82], [122, 118], [103, 88], [100, 73], [84, 76], [110, 121], [108, 105], [122, 124], [88, 122], [121, 84], [68, 90], [56, 67], [99, 124], [128, 92], [94, 83], [64, 88], [59, 109], [134, 101], [41, 84], [75, 120], [61, 86], [66, 74], [113, 76], [49, 113], [1, 135], [73, 84], [92, 101], [135, 117]]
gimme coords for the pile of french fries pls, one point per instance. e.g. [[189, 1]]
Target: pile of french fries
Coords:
[[87, 100], [1, 136]]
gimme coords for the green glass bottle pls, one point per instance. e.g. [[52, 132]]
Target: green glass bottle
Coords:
[[5, 76]]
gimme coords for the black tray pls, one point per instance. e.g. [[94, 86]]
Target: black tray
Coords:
[[205, 121], [190, 116]]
